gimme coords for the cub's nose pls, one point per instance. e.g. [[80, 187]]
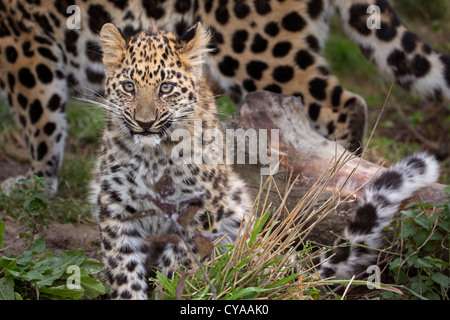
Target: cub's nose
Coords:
[[145, 125]]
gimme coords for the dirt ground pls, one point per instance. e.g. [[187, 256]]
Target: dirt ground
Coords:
[[58, 237]]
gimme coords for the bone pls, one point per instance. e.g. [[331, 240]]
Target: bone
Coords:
[[309, 154]]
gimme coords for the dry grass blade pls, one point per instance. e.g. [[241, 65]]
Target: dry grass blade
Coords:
[[265, 256]]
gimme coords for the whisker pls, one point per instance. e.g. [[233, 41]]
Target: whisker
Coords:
[[99, 101], [114, 110]]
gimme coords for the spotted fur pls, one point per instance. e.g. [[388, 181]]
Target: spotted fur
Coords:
[[257, 45], [154, 86]]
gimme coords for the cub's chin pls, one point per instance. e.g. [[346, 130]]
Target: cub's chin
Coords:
[[147, 139]]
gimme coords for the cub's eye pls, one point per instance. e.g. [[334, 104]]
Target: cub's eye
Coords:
[[166, 88], [128, 86]]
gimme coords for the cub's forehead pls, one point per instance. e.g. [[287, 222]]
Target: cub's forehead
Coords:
[[148, 44], [150, 53]]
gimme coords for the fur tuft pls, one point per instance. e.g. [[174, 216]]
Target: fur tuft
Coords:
[[196, 45]]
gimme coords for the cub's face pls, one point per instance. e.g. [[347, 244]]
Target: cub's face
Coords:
[[153, 80]]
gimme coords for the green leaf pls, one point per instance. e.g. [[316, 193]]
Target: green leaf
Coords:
[[92, 266], [431, 295], [395, 263], [258, 225], [411, 291], [37, 247], [238, 266], [245, 293], [445, 224], [8, 261], [422, 263], [438, 262], [24, 235], [430, 246], [225, 107], [420, 238], [389, 295], [33, 275], [441, 279], [62, 292], [283, 280], [418, 286], [447, 189], [412, 259], [423, 222], [6, 288], [169, 286], [92, 287], [408, 230], [436, 236], [55, 267]]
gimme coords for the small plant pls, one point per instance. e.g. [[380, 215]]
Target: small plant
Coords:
[[35, 205], [28, 201], [424, 264], [34, 274]]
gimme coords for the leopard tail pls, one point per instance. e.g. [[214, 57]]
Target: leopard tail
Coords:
[[381, 200]]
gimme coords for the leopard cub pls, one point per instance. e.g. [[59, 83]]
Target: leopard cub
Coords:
[[154, 87]]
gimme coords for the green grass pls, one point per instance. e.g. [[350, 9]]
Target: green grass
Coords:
[[85, 122], [344, 55], [427, 10], [225, 107], [84, 131], [7, 123]]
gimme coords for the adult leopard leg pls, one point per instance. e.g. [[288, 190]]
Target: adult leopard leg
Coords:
[[32, 70]]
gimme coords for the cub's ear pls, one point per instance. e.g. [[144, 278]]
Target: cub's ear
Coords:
[[113, 46], [196, 41]]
